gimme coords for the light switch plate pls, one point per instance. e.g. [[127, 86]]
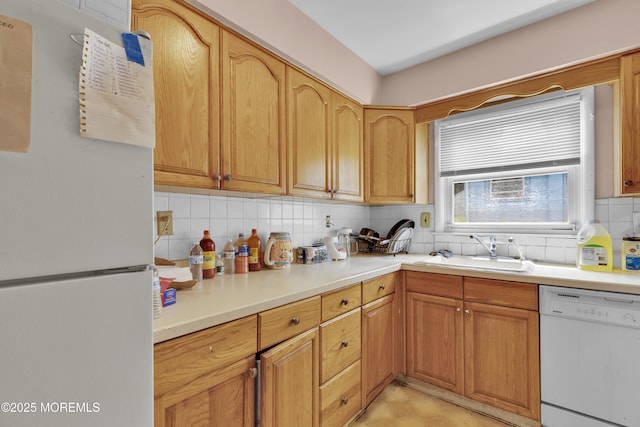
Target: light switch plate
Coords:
[[425, 219]]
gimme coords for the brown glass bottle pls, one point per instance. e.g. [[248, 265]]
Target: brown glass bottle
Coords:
[[255, 250], [208, 255]]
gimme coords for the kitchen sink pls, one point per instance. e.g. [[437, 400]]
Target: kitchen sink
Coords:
[[479, 262]]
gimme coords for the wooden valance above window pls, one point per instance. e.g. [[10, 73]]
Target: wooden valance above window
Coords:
[[591, 73]]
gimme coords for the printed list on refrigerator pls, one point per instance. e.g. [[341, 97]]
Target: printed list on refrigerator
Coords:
[[116, 95]]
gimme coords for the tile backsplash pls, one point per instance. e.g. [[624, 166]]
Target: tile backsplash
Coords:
[[226, 216]]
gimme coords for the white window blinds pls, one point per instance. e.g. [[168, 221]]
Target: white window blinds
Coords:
[[532, 135]]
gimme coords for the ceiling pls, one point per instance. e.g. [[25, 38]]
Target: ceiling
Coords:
[[391, 35]]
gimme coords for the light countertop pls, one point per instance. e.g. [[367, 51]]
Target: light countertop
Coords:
[[229, 297]]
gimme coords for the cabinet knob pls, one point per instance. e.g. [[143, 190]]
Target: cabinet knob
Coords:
[[345, 301], [227, 177], [344, 343], [344, 400], [217, 177], [210, 349], [295, 320], [458, 309], [381, 287], [253, 372], [467, 311], [628, 183]]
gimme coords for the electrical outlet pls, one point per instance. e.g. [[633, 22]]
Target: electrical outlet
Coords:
[[425, 219], [636, 223], [165, 223]]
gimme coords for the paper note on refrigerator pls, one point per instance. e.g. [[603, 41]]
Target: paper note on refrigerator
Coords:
[[15, 84], [116, 95]]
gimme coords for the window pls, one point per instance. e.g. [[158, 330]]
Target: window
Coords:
[[523, 166]]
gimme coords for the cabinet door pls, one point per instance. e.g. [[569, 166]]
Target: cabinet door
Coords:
[[186, 80], [630, 108], [253, 118], [389, 137], [308, 136], [502, 365], [378, 339], [348, 150], [223, 397], [435, 340], [289, 382]]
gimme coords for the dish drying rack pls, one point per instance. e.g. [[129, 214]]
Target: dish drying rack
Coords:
[[370, 242]]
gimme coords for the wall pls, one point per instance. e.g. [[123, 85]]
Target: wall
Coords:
[[616, 214], [226, 216], [284, 29], [593, 30]]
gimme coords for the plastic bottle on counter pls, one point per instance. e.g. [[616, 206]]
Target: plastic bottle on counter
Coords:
[[219, 265], [228, 257], [157, 291], [242, 259], [240, 241], [255, 250], [196, 258], [209, 256], [595, 249]]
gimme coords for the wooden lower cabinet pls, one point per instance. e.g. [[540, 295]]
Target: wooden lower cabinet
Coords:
[[475, 337], [221, 398], [207, 378], [502, 366], [435, 345], [289, 382], [378, 340]]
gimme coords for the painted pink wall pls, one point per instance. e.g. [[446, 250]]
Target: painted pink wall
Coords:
[[283, 28], [594, 30]]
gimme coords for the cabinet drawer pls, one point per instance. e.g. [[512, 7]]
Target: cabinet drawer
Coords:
[[340, 344], [340, 301], [185, 358], [501, 292], [378, 287], [443, 285], [340, 398], [280, 323]]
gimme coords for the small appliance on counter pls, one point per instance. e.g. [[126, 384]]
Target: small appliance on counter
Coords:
[[315, 254], [335, 249]]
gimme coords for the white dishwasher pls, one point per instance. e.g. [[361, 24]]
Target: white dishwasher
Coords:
[[589, 358]]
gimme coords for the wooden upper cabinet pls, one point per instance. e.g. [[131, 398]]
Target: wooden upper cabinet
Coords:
[[309, 136], [629, 175], [186, 80], [348, 150], [253, 118], [325, 141], [389, 143]]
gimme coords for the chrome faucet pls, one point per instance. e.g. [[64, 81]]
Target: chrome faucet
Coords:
[[492, 247]]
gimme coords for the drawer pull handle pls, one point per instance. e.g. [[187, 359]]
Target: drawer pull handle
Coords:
[[210, 349], [345, 301], [253, 372], [382, 287], [295, 320], [344, 400], [344, 343]]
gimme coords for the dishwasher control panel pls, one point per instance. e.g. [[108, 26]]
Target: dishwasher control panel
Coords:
[[593, 306]]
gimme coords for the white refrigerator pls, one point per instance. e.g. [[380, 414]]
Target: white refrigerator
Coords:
[[76, 328]]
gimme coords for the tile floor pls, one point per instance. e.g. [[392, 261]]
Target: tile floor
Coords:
[[403, 406]]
